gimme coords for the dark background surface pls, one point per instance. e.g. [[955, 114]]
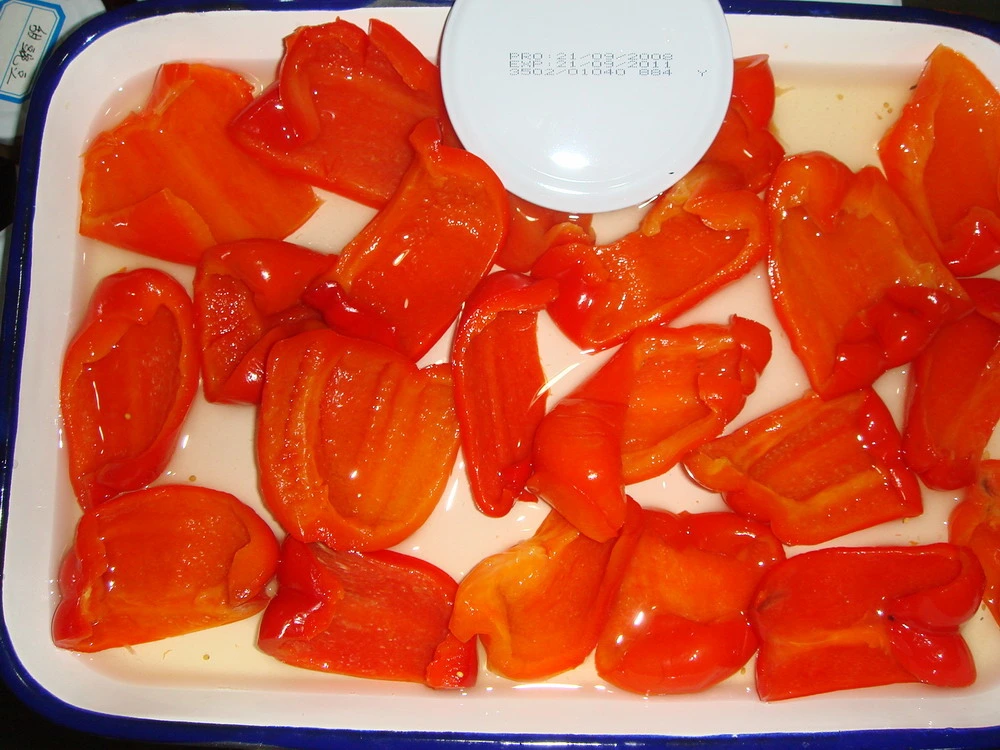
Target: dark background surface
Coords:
[[20, 727]]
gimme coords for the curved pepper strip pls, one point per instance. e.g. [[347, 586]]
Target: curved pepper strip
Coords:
[[129, 377], [380, 615], [403, 279], [247, 295], [954, 394], [539, 606], [975, 523], [703, 233], [844, 618], [354, 444], [680, 621], [530, 230], [753, 88], [340, 114], [168, 182], [856, 283], [813, 469], [162, 562], [500, 392], [943, 158], [666, 391]]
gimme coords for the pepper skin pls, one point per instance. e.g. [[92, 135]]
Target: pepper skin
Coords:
[[247, 295], [169, 183], [954, 394], [813, 469], [162, 562], [666, 391], [943, 158], [679, 623], [856, 282], [975, 523], [530, 230], [500, 394], [340, 113], [380, 615], [844, 618], [704, 232], [354, 444], [403, 279], [129, 377], [538, 607]]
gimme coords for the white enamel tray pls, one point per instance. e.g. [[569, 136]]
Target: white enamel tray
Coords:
[[842, 72]]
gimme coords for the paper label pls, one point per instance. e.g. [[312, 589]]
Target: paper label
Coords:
[[28, 31]]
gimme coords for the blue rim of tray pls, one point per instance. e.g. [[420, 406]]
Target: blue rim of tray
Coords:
[[16, 272]]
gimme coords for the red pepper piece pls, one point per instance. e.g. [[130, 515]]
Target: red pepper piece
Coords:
[[975, 523], [680, 621], [943, 158], [538, 607], [744, 142], [247, 295], [128, 379], [954, 394], [168, 182], [340, 114], [354, 443], [499, 386], [842, 618], [161, 562], [813, 469], [857, 284], [753, 88], [380, 615], [704, 232], [528, 235], [666, 391], [403, 279]]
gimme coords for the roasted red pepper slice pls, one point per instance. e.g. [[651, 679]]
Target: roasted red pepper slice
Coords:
[[666, 391], [954, 394], [704, 232], [943, 158], [168, 181], [975, 523], [753, 88], [857, 284], [128, 379], [161, 562], [813, 469], [340, 114], [354, 443], [247, 295], [842, 618], [529, 232], [538, 607], [500, 392], [403, 279], [380, 615], [680, 621]]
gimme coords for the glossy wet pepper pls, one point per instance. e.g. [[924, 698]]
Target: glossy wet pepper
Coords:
[[354, 443], [975, 523], [856, 282], [403, 279], [168, 181], [943, 157], [340, 114], [129, 377], [380, 615], [500, 396], [680, 620], [247, 295], [813, 469], [842, 618], [162, 562]]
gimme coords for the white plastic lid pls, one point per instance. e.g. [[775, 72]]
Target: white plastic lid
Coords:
[[587, 105]]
